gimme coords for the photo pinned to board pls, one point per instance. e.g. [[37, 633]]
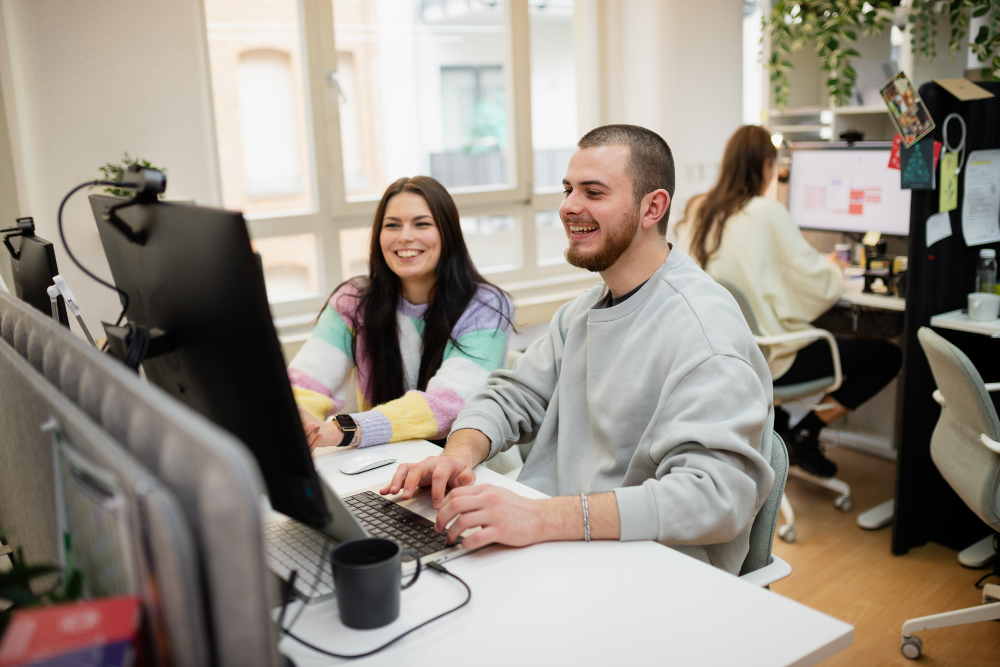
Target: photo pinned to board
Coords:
[[907, 110]]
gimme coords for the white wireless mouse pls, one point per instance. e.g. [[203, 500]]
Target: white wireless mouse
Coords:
[[363, 462]]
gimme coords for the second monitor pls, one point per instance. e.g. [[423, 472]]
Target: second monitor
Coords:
[[837, 187]]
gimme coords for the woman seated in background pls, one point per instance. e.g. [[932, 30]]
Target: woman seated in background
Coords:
[[422, 330], [751, 242]]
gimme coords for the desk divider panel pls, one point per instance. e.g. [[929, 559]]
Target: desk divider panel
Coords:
[[211, 473], [939, 280]]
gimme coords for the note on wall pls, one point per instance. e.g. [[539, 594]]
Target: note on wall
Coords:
[[948, 197], [981, 203]]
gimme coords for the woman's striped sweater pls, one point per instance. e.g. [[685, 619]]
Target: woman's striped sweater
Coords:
[[320, 371]]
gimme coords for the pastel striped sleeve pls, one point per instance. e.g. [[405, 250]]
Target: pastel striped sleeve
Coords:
[[481, 349], [319, 372]]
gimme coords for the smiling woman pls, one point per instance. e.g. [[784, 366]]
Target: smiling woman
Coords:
[[422, 330]]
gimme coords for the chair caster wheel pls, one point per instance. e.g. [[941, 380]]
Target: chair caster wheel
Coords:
[[911, 648], [788, 534], [844, 504]]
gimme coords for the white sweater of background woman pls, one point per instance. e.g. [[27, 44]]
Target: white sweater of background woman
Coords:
[[787, 282]]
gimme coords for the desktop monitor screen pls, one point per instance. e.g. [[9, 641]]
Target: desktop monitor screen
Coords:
[[197, 279], [33, 272], [847, 189]]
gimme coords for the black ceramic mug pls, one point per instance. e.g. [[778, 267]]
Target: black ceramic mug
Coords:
[[367, 574]]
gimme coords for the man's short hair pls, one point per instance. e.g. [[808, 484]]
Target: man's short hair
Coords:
[[650, 163]]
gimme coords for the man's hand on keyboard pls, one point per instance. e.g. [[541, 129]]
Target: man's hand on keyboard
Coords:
[[505, 517], [438, 472]]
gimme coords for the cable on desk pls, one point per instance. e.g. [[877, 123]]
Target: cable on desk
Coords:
[[434, 566]]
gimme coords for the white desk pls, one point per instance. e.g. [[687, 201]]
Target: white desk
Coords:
[[568, 603], [873, 301], [854, 280], [960, 321]]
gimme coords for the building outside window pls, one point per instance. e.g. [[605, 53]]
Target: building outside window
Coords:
[[320, 104]]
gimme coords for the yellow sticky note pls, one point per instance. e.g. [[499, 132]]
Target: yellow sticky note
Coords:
[[949, 182]]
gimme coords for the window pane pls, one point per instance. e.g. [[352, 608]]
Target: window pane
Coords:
[[550, 238], [354, 252], [422, 91], [553, 90], [494, 241], [290, 265], [261, 118]]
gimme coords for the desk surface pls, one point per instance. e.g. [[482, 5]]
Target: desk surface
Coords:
[[960, 321], [573, 603]]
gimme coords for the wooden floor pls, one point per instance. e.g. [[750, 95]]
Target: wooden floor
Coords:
[[851, 574]]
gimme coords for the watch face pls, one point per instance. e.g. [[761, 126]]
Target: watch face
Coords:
[[346, 422]]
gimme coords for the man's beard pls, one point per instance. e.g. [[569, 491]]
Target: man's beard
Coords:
[[612, 247]]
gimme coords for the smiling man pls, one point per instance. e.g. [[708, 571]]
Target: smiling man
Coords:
[[648, 400]]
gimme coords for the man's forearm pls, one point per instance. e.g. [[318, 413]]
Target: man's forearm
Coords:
[[563, 517], [468, 444]]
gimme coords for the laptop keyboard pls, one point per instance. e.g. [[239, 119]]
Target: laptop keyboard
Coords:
[[291, 545], [384, 518]]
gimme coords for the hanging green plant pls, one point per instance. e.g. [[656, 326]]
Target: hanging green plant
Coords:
[[16, 587], [831, 27], [923, 18]]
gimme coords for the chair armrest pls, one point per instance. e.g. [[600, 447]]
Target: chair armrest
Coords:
[[810, 334], [992, 386], [938, 397], [990, 443], [774, 571]]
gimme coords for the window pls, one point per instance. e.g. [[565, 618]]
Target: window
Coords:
[[434, 98], [554, 98], [320, 104]]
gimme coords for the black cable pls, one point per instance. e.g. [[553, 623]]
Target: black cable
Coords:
[[62, 237], [433, 566]]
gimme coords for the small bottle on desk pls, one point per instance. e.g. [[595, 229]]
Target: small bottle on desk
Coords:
[[986, 271]]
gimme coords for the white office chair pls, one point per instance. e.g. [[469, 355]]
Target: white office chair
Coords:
[[796, 393], [966, 451]]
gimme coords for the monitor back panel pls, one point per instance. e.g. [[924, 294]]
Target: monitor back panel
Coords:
[[197, 279], [33, 272]]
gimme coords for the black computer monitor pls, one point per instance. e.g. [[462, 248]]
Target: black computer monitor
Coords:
[[33, 263], [196, 278]]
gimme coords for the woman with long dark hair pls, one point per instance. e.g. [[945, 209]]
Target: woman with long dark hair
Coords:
[[422, 331], [740, 237]]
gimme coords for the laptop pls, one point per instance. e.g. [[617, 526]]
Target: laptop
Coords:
[[292, 545]]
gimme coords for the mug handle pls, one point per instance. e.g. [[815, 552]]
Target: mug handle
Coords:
[[416, 573]]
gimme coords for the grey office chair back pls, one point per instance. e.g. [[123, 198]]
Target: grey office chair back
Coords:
[[969, 467], [766, 521], [212, 474]]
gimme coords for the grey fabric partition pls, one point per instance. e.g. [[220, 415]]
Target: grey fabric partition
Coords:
[[212, 474], [166, 563]]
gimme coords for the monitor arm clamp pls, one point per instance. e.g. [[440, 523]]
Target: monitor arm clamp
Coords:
[[148, 185], [132, 344]]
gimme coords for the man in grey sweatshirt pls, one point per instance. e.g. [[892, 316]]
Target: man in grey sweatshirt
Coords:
[[648, 400]]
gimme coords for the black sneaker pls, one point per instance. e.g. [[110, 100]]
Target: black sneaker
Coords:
[[805, 451]]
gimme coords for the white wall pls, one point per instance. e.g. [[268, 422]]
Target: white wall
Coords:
[[87, 80], [675, 67]]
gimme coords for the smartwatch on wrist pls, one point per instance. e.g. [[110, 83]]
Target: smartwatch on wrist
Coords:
[[349, 427]]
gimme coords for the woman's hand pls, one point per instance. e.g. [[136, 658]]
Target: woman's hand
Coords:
[[321, 433], [835, 258]]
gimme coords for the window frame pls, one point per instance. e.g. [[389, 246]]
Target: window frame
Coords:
[[334, 212]]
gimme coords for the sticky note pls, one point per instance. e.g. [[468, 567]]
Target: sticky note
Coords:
[[949, 182]]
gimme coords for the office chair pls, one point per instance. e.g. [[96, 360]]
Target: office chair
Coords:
[[761, 567], [965, 449], [795, 393]]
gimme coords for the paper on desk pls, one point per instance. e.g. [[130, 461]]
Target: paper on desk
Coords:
[[981, 204], [938, 227]]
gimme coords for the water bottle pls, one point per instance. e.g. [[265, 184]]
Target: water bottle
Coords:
[[986, 271]]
